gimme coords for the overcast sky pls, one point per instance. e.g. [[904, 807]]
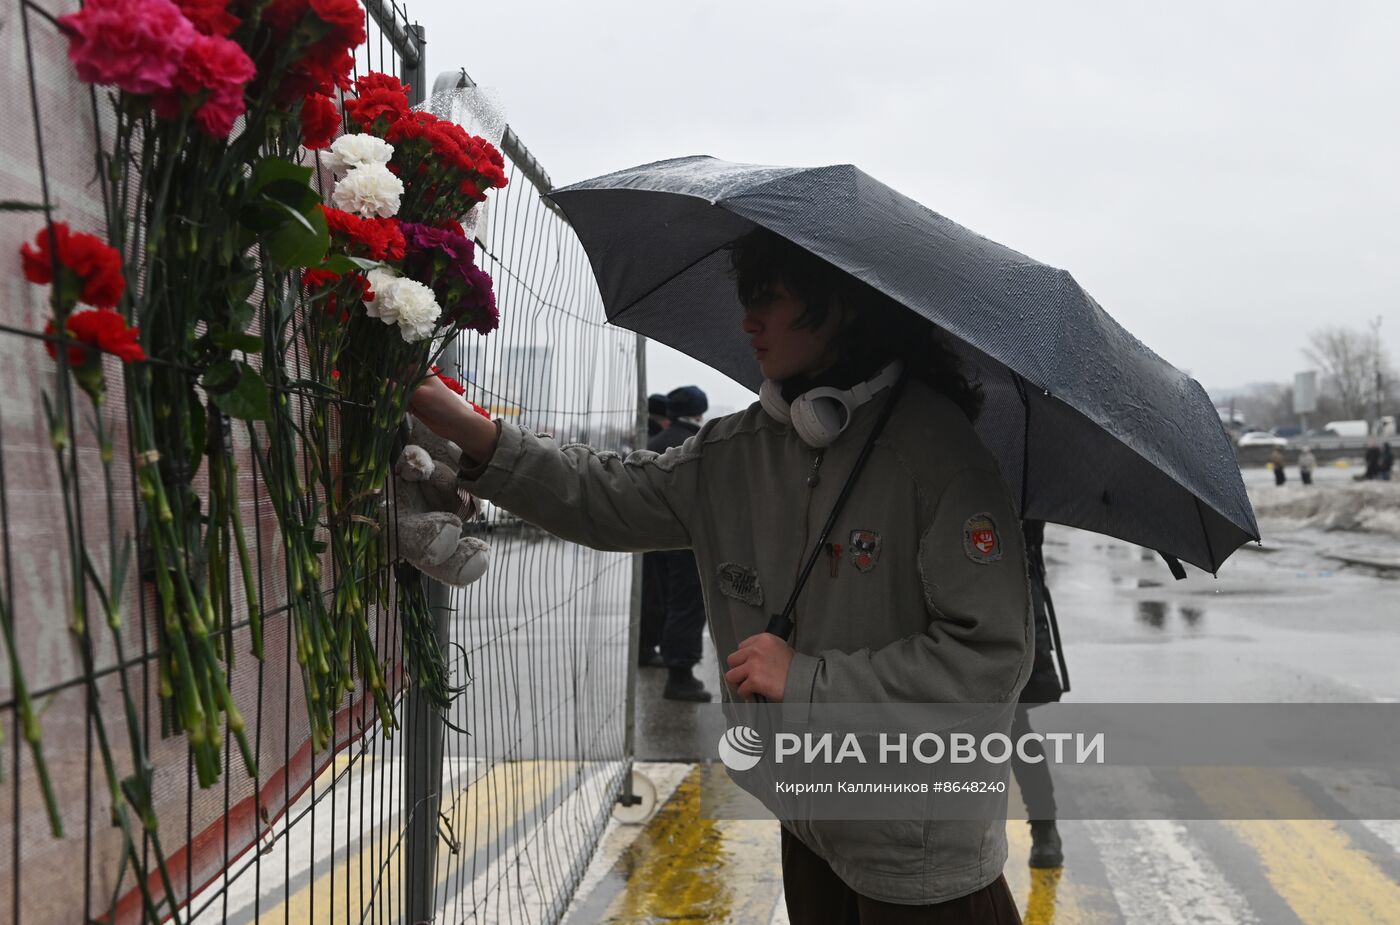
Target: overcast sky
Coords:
[[1220, 176]]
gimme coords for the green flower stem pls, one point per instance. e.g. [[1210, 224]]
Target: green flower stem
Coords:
[[29, 722], [250, 594]]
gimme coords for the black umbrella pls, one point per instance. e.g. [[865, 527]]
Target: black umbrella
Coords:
[[1091, 428]]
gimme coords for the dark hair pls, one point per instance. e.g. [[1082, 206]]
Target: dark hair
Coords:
[[879, 329]]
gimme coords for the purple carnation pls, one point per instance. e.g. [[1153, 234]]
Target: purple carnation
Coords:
[[426, 241], [446, 262]]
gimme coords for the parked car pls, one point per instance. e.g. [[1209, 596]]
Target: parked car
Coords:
[[1286, 432], [1261, 438]]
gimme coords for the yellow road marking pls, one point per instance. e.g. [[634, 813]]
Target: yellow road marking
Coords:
[[1044, 896], [684, 867], [1312, 863], [482, 810]]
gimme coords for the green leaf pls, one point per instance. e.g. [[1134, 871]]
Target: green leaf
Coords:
[[221, 377], [261, 214], [248, 400], [301, 241], [272, 169], [292, 193], [241, 311], [238, 340], [338, 263]]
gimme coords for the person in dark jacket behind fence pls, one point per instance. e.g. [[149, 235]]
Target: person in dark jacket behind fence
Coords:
[[653, 602], [656, 415], [1387, 461], [670, 580], [1044, 686]]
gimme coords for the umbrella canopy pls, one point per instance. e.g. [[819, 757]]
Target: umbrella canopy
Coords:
[[1091, 428]]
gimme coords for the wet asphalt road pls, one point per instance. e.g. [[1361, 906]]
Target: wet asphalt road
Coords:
[[1287, 620]]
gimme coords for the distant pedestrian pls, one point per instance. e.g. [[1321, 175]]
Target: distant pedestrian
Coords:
[[670, 578], [656, 415], [1387, 461], [1373, 461], [1276, 461], [1045, 685], [1307, 462]]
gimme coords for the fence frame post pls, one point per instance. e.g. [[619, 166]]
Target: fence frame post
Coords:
[[627, 796], [423, 727]]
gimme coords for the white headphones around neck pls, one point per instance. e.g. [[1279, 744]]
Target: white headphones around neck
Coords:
[[820, 415]]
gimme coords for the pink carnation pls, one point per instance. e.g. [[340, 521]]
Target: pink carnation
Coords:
[[222, 68], [134, 45]]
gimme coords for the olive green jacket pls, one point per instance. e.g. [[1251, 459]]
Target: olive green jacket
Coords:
[[926, 602]]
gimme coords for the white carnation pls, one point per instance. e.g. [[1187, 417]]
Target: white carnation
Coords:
[[381, 284], [351, 151], [369, 190], [417, 310]]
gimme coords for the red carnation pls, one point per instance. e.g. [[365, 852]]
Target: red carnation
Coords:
[[210, 17], [97, 267], [284, 15], [368, 108], [448, 381], [215, 71], [99, 328], [345, 17], [320, 121], [378, 80], [375, 238], [339, 290]]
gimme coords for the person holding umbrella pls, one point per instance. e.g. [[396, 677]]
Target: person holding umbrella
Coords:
[[856, 313], [922, 597]]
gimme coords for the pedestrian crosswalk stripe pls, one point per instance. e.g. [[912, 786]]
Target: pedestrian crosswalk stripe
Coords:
[[1311, 863]]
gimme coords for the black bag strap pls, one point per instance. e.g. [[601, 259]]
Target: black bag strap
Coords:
[[781, 624]]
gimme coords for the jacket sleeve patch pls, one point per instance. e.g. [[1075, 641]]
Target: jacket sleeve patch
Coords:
[[981, 541]]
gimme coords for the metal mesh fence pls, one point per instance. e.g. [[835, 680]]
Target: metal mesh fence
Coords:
[[544, 636], [534, 748]]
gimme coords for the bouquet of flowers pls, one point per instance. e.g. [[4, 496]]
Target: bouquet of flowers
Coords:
[[403, 263], [210, 104]]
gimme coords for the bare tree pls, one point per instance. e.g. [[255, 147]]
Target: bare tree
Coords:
[[1349, 360]]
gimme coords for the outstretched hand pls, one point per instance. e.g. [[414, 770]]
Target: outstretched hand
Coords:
[[437, 406], [451, 417]]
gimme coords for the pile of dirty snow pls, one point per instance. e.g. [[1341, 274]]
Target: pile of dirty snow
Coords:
[[1367, 507]]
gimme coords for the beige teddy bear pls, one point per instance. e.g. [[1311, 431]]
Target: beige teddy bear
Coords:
[[425, 528]]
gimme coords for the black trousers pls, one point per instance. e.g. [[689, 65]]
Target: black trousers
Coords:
[[673, 607], [1037, 790], [653, 600], [816, 896]]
